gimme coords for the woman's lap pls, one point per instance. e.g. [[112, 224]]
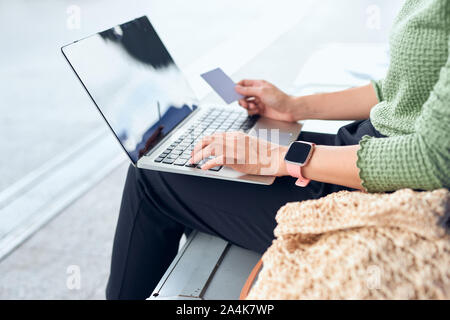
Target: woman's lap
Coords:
[[241, 213], [157, 207]]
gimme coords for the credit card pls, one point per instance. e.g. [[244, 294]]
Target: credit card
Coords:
[[222, 84]]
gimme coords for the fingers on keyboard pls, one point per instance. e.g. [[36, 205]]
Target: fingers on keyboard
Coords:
[[218, 120]]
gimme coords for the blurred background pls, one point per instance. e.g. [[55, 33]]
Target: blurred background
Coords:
[[62, 172]]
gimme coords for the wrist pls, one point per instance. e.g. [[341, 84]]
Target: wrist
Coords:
[[308, 169], [297, 158], [282, 170], [300, 107]]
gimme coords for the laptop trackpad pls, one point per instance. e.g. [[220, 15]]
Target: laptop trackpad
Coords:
[[273, 135]]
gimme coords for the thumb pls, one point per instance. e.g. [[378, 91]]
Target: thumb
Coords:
[[248, 91]]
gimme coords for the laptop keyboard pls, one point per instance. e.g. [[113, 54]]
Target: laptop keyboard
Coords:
[[216, 121]]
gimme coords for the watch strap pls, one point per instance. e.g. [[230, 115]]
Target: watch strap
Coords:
[[296, 171]]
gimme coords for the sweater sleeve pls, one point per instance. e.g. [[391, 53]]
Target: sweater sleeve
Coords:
[[378, 86], [420, 160]]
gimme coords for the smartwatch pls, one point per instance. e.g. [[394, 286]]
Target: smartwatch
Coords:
[[298, 156]]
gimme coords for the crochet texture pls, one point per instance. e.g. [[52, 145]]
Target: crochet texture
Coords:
[[354, 245]]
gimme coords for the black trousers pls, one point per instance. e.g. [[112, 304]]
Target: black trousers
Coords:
[[157, 208]]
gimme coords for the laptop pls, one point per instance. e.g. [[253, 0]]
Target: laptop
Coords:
[[147, 103]]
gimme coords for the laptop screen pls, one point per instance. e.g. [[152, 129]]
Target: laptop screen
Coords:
[[134, 83]]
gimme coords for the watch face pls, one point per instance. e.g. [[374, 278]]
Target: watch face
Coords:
[[298, 152]]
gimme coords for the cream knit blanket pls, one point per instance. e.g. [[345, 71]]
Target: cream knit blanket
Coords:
[[354, 245]]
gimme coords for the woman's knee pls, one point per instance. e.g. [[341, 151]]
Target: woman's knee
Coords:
[[138, 179]]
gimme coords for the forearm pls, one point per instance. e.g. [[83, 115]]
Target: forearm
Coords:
[[350, 104], [333, 164]]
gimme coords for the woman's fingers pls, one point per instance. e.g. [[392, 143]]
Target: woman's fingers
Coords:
[[243, 103], [248, 91], [217, 161], [247, 82], [223, 145], [208, 146], [202, 154], [202, 144], [252, 106], [250, 82], [257, 101]]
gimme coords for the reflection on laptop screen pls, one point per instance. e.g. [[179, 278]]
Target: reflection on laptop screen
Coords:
[[134, 82]]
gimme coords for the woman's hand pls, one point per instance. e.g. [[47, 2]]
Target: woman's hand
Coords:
[[263, 98], [241, 152]]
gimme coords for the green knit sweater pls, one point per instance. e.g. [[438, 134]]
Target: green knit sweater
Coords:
[[414, 104]]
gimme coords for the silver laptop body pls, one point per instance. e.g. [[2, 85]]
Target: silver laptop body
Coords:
[[148, 105]]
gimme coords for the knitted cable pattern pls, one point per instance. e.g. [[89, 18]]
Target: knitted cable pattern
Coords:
[[354, 245]]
